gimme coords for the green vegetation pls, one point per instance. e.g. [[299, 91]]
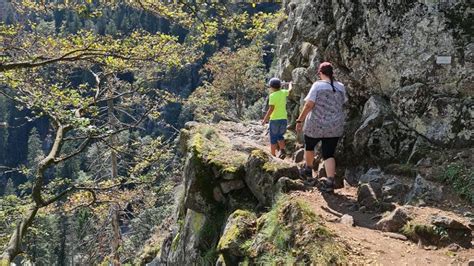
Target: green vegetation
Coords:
[[208, 145], [461, 178], [281, 230], [431, 234], [88, 104]]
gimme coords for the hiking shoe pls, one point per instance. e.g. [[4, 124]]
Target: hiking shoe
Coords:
[[306, 172], [310, 182], [326, 184], [282, 154]]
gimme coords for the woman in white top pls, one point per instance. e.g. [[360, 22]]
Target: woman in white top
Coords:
[[323, 116]]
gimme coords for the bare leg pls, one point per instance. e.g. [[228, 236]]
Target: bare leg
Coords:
[[330, 166], [273, 148], [309, 158], [281, 144]]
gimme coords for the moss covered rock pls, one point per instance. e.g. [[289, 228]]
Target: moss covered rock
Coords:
[[291, 233], [239, 229], [262, 172]]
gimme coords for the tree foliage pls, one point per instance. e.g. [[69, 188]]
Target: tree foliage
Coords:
[[94, 116], [237, 80]]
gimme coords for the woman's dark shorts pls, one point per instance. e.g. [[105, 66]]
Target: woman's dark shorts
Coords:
[[328, 145], [277, 130]]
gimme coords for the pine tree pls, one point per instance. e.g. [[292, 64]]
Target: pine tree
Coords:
[[4, 116], [9, 188], [35, 152], [111, 29]]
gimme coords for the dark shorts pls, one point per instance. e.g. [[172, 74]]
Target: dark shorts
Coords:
[[277, 130], [328, 145]]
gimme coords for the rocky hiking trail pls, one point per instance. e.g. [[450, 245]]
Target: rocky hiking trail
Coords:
[[238, 204], [372, 246], [358, 227]]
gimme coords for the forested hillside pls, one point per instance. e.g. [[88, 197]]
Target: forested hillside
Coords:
[[92, 98]]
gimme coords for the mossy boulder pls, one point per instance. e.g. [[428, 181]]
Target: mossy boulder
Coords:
[[292, 233], [239, 228], [262, 172], [210, 159], [439, 231]]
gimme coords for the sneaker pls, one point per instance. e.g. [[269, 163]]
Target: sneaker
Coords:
[[282, 154], [310, 182], [327, 184], [306, 172]]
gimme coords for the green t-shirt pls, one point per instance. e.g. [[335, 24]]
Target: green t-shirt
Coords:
[[278, 100]]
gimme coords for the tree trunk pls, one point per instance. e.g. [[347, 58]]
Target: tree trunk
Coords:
[[112, 139], [117, 238], [14, 246], [62, 249]]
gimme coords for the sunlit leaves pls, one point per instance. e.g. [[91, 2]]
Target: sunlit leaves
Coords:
[[236, 80]]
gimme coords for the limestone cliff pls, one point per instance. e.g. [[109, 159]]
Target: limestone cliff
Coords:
[[387, 54]]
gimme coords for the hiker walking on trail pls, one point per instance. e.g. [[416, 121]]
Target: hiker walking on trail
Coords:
[[322, 119], [277, 115]]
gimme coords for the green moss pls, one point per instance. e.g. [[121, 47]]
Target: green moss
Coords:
[[208, 146], [209, 257], [174, 243], [413, 231], [259, 154], [281, 226], [4, 262], [197, 221], [461, 178], [245, 262], [234, 233], [147, 255]]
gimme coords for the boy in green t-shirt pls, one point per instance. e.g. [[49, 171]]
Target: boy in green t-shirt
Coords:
[[277, 115]]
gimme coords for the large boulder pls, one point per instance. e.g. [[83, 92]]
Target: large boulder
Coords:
[[387, 56], [395, 221], [425, 191], [186, 240], [376, 109], [380, 137], [439, 230], [239, 228], [262, 172]]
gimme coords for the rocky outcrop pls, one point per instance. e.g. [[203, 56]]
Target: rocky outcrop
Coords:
[[225, 184], [387, 56]]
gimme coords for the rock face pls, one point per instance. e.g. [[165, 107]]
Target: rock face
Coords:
[[386, 55], [239, 178]]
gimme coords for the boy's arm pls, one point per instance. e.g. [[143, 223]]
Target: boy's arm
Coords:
[[290, 87], [268, 114]]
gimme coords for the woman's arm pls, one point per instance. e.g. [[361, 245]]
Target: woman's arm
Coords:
[[308, 106]]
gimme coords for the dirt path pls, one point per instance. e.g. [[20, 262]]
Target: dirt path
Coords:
[[370, 246]]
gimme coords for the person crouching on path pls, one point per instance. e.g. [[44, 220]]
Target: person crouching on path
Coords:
[[277, 115], [323, 117]]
